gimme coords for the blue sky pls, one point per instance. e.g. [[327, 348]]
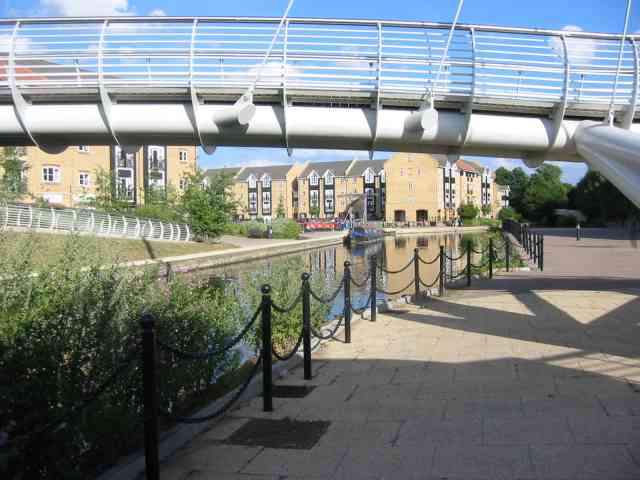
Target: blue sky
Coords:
[[591, 15]]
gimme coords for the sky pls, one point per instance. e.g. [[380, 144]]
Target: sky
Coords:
[[589, 15]]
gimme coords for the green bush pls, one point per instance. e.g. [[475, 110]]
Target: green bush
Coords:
[[284, 278], [565, 221], [508, 213], [64, 331], [289, 229], [468, 212]]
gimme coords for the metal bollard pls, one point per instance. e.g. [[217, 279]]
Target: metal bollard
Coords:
[[347, 302], [578, 233], [267, 382], [541, 260], [150, 397], [507, 251], [491, 258], [534, 249], [416, 275], [374, 288], [469, 266], [443, 272], [306, 325]]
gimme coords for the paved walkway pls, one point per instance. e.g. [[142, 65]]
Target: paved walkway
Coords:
[[530, 376]]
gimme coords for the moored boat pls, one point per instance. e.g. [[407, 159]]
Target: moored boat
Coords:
[[364, 234]]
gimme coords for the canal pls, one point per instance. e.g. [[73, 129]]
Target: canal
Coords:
[[393, 252]]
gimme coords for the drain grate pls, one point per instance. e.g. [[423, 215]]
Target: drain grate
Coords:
[[284, 433], [292, 391]]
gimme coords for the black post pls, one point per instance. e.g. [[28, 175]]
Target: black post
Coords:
[[416, 275], [534, 248], [347, 302], [507, 251], [267, 383], [374, 287], [491, 258], [150, 395], [468, 265], [578, 232], [306, 325], [541, 260], [443, 272]]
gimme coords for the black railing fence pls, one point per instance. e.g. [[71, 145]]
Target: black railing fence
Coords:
[[151, 346], [531, 241]]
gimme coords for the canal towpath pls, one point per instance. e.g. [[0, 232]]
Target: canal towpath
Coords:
[[531, 375]]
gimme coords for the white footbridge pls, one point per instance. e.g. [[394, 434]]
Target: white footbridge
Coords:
[[325, 83]]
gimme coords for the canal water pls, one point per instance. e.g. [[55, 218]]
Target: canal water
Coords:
[[393, 252]]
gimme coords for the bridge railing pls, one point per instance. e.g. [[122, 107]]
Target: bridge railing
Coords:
[[378, 60], [90, 221]]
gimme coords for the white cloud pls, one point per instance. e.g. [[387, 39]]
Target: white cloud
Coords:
[[580, 50], [85, 8], [157, 12]]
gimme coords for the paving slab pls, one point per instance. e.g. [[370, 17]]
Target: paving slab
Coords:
[[530, 375]]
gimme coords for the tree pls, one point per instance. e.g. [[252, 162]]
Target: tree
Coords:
[[314, 212], [507, 213], [518, 182], [486, 210], [545, 193], [12, 170], [600, 200], [208, 207], [468, 212], [280, 212]]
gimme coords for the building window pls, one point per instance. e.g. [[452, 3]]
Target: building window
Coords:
[[266, 181], [411, 187], [314, 199], [382, 175], [253, 202], [183, 155], [51, 174], [328, 178], [84, 179], [83, 148], [402, 172], [266, 202], [156, 158], [314, 179], [252, 181], [328, 203], [369, 177], [183, 184]]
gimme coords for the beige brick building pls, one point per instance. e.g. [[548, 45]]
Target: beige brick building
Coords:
[[407, 187], [70, 178]]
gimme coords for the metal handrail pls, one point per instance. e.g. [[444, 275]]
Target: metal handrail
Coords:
[[90, 221], [390, 58]]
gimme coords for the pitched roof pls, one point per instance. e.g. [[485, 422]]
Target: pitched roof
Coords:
[[467, 166], [227, 170], [339, 169], [360, 166], [276, 172]]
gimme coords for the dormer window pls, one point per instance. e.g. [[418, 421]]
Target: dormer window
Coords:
[[314, 179], [369, 176], [328, 178], [252, 181], [266, 181]]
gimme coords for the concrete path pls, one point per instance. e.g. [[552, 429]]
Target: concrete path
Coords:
[[530, 376]]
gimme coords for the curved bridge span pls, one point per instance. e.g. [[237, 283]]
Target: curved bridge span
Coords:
[[342, 84]]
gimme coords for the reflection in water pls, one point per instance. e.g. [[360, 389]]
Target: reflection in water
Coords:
[[392, 252]]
